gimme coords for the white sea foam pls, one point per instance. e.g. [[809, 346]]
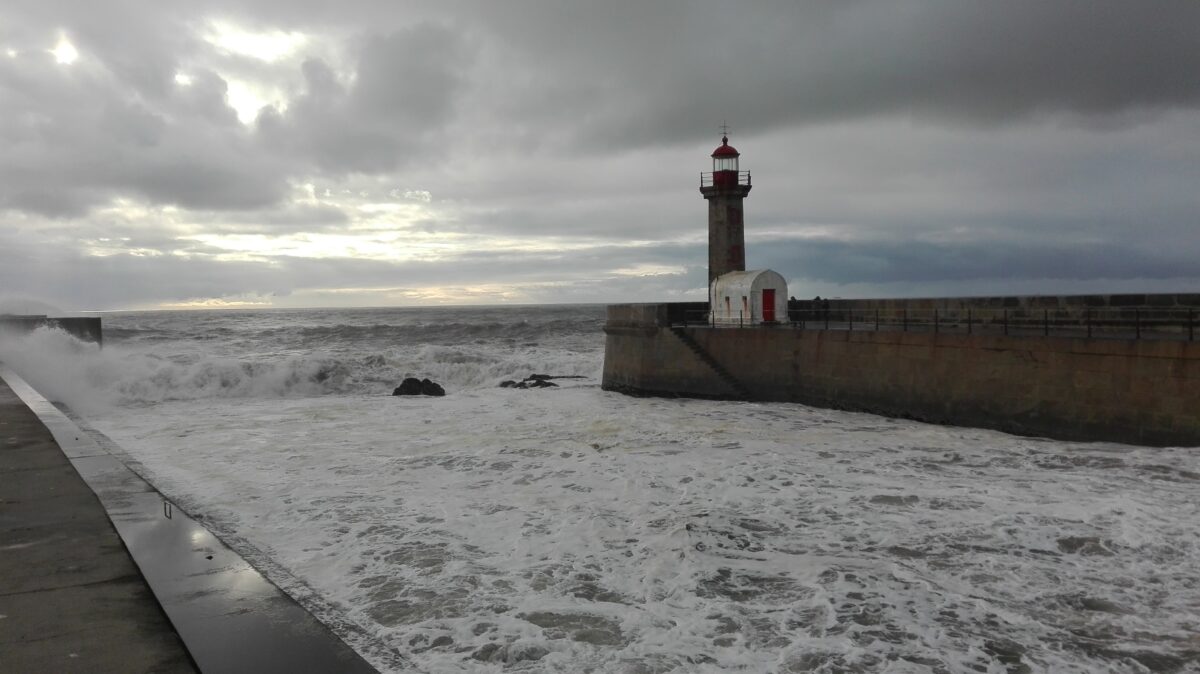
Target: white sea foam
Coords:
[[153, 363], [572, 529]]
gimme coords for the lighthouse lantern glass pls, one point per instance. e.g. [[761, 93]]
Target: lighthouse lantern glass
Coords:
[[725, 163]]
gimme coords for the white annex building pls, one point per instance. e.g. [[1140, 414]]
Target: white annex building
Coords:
[[749, 298]]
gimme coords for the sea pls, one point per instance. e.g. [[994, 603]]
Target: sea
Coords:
[[572, 529]]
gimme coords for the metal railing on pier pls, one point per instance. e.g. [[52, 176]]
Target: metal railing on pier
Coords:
[[1167, 323]]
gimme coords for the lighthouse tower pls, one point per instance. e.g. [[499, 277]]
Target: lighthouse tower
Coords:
[[724, 189]]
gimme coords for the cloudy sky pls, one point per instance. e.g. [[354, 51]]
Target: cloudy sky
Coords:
[[378, 152]]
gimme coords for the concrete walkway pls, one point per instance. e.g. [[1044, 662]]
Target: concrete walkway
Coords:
[[71, 599]]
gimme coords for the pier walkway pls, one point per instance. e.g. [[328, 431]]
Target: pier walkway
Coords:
[[71, 598], [99, 572]]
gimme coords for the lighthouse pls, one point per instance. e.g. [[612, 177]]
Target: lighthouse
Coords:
[[724, 189], [735, 296]]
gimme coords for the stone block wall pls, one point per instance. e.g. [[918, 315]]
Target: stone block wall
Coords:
[[1135, 391]]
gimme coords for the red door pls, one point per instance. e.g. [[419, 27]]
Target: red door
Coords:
[[768, 305]]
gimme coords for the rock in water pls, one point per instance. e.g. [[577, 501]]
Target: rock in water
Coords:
[[538, 381], [411, 386]]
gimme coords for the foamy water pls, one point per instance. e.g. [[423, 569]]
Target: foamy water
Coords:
[[572, 529]]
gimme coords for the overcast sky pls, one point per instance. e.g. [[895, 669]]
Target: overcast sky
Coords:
[[374, 153]]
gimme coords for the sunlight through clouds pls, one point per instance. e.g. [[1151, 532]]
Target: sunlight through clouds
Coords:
[[376, 246], [64, 52], [246, 96], [247, 99], [265, 46]]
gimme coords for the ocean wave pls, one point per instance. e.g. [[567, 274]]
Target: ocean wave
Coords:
[[453, 332], [84, 375]]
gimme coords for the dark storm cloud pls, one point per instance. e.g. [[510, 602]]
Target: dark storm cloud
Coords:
[[882, 262], [912, 141], [661, 72], [75, 137], [402, 95]]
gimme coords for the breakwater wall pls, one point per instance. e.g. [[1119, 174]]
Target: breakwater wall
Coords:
[[86, 328], [1073, 304], [1123, 390], [1129, 313]]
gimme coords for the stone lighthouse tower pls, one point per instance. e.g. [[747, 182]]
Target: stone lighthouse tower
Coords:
[[724, 189]]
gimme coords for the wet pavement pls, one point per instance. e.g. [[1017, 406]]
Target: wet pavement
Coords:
[[229, 616], [71, 599]]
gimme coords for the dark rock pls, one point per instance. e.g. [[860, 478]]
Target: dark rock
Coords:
[[411, 386], [539, 381], [535, 381]]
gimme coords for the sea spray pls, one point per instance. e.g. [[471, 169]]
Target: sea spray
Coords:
[[61, 367], [163, 356]]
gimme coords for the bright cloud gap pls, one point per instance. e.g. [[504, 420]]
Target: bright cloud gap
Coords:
[[267, 46]]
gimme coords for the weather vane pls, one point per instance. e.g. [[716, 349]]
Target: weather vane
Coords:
[[724, 128]]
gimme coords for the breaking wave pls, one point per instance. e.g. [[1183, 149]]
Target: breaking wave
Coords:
[[134, 370]]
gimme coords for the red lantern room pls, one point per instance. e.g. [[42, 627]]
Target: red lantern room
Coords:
[[725, 158], [725, 173]]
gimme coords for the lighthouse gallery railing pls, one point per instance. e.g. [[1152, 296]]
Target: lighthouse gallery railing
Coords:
[[706, 178]]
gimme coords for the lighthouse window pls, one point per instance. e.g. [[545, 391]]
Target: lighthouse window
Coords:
[[725, 164]]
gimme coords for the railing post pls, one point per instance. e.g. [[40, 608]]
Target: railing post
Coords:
[[876, 320], [1006, 322], [1137, 323], [968, 321], [851, 312], [1045, 322], [935, 321], [740, 324], [1191, 325], [905, 317], [826, 317], [1087, 318]]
